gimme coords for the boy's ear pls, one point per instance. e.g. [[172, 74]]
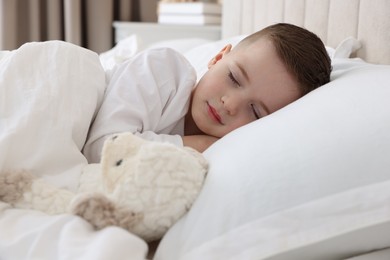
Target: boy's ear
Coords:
[[225, 50]]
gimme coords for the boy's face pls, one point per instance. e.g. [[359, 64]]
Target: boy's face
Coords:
[[240, 87]]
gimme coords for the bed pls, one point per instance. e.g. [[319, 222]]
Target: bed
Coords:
[[310, 181]]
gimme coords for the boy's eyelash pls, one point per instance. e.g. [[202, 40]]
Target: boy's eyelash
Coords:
[[255, 112], [233, 79]]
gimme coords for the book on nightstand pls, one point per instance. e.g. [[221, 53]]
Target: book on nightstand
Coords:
[[196, 13], [189, 19], [189, 8]]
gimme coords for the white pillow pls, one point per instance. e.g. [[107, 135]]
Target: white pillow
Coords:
[[124, 49], [180, 45], [133, 44], [200, 56], [310, 181]]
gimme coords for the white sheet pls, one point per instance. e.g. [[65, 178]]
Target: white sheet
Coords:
[[49, 93], [27, 234]]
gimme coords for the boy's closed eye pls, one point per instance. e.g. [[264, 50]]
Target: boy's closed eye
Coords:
[[256, 111], [254, 108], [233, 79]]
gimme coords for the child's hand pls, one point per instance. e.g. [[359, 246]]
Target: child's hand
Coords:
[[199, 142]]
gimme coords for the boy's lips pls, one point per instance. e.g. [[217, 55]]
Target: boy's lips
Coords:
[[213, 114]]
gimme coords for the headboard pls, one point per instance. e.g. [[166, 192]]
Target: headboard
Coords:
[[332, 20]]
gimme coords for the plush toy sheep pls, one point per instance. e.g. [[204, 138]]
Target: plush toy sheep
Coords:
[[141, 186]]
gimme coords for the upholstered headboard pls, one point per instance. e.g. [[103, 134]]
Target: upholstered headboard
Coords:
[[332, 20]]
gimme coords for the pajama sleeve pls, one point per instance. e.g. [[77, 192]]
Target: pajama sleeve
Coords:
[[147, 95]]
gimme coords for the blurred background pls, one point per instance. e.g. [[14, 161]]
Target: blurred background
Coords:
[[87, 23]]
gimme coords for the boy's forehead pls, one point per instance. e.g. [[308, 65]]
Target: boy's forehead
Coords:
[[257, 42], [257, 49], [262, 49]]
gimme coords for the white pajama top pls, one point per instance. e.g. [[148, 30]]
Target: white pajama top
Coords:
[[147, 95]]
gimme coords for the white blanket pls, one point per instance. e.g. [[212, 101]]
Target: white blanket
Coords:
[[49, 94]]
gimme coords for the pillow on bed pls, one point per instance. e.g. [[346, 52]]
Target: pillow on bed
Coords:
[[310, 181], [131, 45]]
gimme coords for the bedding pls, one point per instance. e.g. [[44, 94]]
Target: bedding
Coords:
[[44, 120], [132, 45], [45, 115]]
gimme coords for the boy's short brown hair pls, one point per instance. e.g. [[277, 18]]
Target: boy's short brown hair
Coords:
[[302, 51]]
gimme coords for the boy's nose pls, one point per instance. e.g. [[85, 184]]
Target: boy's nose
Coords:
[[231, 104]]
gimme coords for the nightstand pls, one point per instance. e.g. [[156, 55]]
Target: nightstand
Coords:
[[154, 32]]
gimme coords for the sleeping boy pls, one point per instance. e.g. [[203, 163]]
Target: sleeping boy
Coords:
[[156, 95]]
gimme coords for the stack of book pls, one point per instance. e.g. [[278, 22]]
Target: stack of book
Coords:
[[196, 13]]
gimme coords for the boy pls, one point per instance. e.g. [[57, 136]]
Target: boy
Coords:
[[263, 73]]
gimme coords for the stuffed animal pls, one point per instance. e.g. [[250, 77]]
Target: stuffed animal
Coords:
[[141, 186]]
